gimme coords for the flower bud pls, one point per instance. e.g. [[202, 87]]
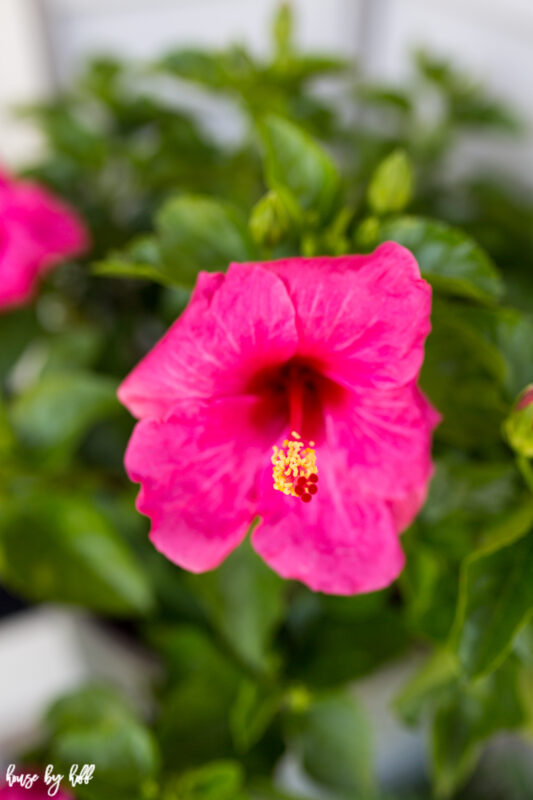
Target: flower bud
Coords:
[[270, 221], [518, 427]]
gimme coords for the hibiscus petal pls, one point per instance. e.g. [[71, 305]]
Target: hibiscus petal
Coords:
[[53, 229], [340, 543], [386, 435], [18, 270], [235, 325], [198, 471], [362, 319]]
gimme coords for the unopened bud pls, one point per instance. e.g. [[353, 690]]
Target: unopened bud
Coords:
[[518, 427], [270, 221]]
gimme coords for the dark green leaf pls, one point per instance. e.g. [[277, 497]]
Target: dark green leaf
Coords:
[[333, 740], [194, 726], [450, 260], [255, 708], [496, 599], [469, 717], [244, 600], [200, 233], [427, 686]]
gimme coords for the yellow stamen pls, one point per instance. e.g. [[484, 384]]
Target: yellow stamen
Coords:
[[293, 466]]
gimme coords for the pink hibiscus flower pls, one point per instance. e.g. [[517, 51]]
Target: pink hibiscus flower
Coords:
[[287, 391], [36, 232]]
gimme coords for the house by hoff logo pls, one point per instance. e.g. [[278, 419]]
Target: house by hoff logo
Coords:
[[50, 778]]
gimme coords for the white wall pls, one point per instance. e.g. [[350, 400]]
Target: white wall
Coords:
[[492, 38], [143, 27], [24, 75]]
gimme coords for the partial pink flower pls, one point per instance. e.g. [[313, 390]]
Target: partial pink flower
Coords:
[[288, 391], [38, 790], [36, 232]]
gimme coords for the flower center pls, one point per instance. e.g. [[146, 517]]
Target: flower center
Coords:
[[294, 468], [294, 464]]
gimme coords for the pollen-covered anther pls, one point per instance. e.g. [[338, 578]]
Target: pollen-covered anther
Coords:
[[294, 468]]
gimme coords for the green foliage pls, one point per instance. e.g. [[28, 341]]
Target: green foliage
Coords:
[[58, 547], [332, 738], [58, 409], [222, 780], [244, 601], [296, 164], [496, 598], [94, 725], [469, 717]]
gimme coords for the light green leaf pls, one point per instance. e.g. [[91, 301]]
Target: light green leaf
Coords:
[[391, 187], [59, 548], [218, 780], [140, 260], [95, 726], [294, 161]]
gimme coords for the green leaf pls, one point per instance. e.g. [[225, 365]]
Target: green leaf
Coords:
[[500, 337], [141, 260], [219, 780], [206, 68], [294, 161], [58, 409], [334, 743], [456, 356], [469, 717], [194, 725], [391, 187], [244, 600], [496, 599], [78, 347], [449, 259], [56, 547], [427, 686], [200, 233], [94, 725], [253, 711], [330, 655], [17, 329], [283, 30]]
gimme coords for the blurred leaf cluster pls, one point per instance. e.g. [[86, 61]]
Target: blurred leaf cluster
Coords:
[[258, 674]]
